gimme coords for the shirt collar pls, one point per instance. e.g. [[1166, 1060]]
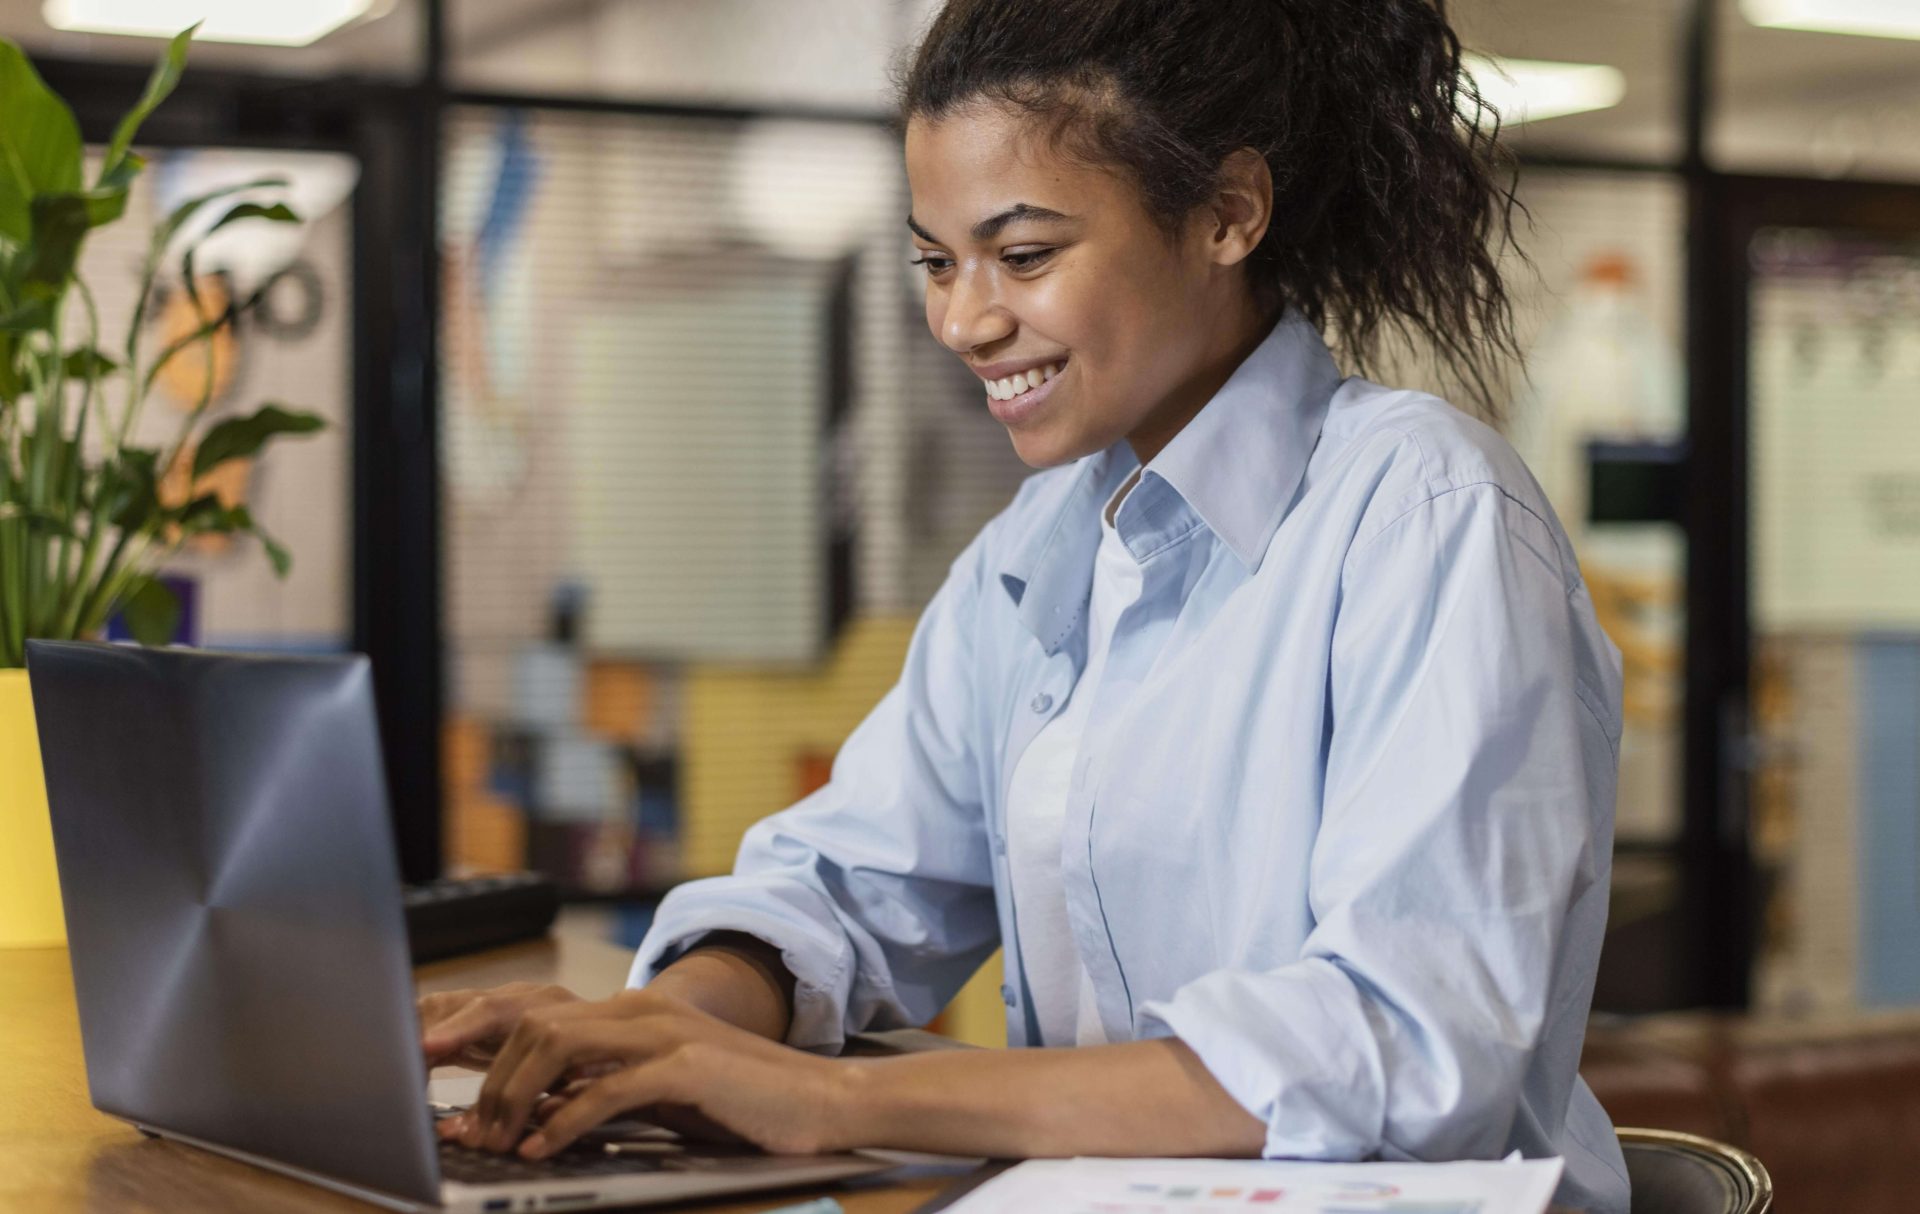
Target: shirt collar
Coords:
[[1235, 467]]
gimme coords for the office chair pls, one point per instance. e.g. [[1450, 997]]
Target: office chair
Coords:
[[1674, 1173]]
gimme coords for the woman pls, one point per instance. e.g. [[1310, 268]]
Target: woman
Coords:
[[1268, 727]]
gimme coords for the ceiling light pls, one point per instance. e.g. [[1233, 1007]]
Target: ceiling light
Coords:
[[267, 22], [1527, 90], [1872, 18]]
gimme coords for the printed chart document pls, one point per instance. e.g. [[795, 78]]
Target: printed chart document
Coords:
[[1252, 1186]]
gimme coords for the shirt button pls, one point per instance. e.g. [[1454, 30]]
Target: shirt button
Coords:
[[999, 845], [1006, 994], [1042, 702]]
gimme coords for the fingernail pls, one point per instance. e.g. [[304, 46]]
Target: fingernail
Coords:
[[535, 1145], [470, 1133]]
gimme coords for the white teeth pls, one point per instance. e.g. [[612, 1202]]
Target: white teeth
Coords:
[[1024, 381]]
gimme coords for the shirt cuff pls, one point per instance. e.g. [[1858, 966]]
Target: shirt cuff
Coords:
[[821, 961], [1283, 1044]]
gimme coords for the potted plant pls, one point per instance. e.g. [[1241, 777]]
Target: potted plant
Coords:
[[87, 516]]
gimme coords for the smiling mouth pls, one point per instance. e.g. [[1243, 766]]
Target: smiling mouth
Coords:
[[1013, 386]]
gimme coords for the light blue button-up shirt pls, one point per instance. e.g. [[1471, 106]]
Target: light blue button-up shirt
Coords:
[[1343, 817]]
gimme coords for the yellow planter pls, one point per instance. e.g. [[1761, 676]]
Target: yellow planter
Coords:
[[30, 915]]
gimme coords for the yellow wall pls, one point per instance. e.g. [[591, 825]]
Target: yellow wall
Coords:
[[743, 735]]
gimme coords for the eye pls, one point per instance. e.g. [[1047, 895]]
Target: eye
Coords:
[[1026, 261], [1019, 261]]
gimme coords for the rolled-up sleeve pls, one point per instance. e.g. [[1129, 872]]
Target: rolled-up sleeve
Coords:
[[876, 888], [1457, 827]]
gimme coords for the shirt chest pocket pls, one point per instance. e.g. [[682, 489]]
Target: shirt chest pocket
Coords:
[[1152, 867], [1201, 865]]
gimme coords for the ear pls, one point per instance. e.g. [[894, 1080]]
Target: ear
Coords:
[[1242, 206]]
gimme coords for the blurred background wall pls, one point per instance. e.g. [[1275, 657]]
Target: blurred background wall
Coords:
[[646, 461]]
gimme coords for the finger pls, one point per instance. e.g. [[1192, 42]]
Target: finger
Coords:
[[599, 1100], [444, 1000], [464, 1019], [572, 1088], [551, 1047], [482, 1018], [513, 1048], [581, 1050], [506, 1063], [450, 1127], [435, 1008]]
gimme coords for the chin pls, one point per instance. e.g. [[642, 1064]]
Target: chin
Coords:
[[1041, 451]]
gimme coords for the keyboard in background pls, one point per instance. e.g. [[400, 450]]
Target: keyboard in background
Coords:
[[457, 915]]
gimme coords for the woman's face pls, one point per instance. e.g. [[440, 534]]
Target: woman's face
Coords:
[[1033, 263]]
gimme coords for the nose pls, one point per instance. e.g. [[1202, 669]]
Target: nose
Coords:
[[973, 316]]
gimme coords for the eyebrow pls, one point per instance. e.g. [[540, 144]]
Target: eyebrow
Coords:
[[990, 227]]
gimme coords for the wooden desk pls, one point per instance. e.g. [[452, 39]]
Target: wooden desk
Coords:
[[63, 1157]]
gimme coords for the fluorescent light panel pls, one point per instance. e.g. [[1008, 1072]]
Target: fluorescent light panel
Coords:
[[1528, 90], [264, 22], [1871, 18]]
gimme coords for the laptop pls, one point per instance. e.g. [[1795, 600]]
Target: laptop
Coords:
[[234, 917]]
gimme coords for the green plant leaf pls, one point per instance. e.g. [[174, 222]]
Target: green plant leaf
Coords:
[[275, 212], [131, 495], [88, 363], [29, 317], [151, 611], [239, 437], [131, 165], [39, 143], [60, 223], [166, 74], [103, 204], [207, 515], [281, 559], [277, 554], [278, 212], [163, 236], [188, 209]]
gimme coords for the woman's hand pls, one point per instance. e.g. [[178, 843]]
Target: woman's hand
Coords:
[[467, 1028], [657, 1055]]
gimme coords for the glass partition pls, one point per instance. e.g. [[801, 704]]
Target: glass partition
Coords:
[[1835, 366]]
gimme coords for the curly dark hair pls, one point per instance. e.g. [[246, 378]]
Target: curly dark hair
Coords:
[[1390, 181]]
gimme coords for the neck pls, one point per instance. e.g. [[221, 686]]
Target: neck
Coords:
[[1244, 328]]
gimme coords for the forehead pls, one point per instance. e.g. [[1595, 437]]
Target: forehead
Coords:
[[977, 160]]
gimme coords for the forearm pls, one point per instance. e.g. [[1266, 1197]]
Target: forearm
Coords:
[[1137, 1098], [735, 978]]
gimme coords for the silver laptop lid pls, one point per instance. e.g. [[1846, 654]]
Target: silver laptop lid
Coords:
[[233, 904]]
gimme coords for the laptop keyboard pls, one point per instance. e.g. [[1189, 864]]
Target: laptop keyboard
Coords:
[[474, 1166]]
